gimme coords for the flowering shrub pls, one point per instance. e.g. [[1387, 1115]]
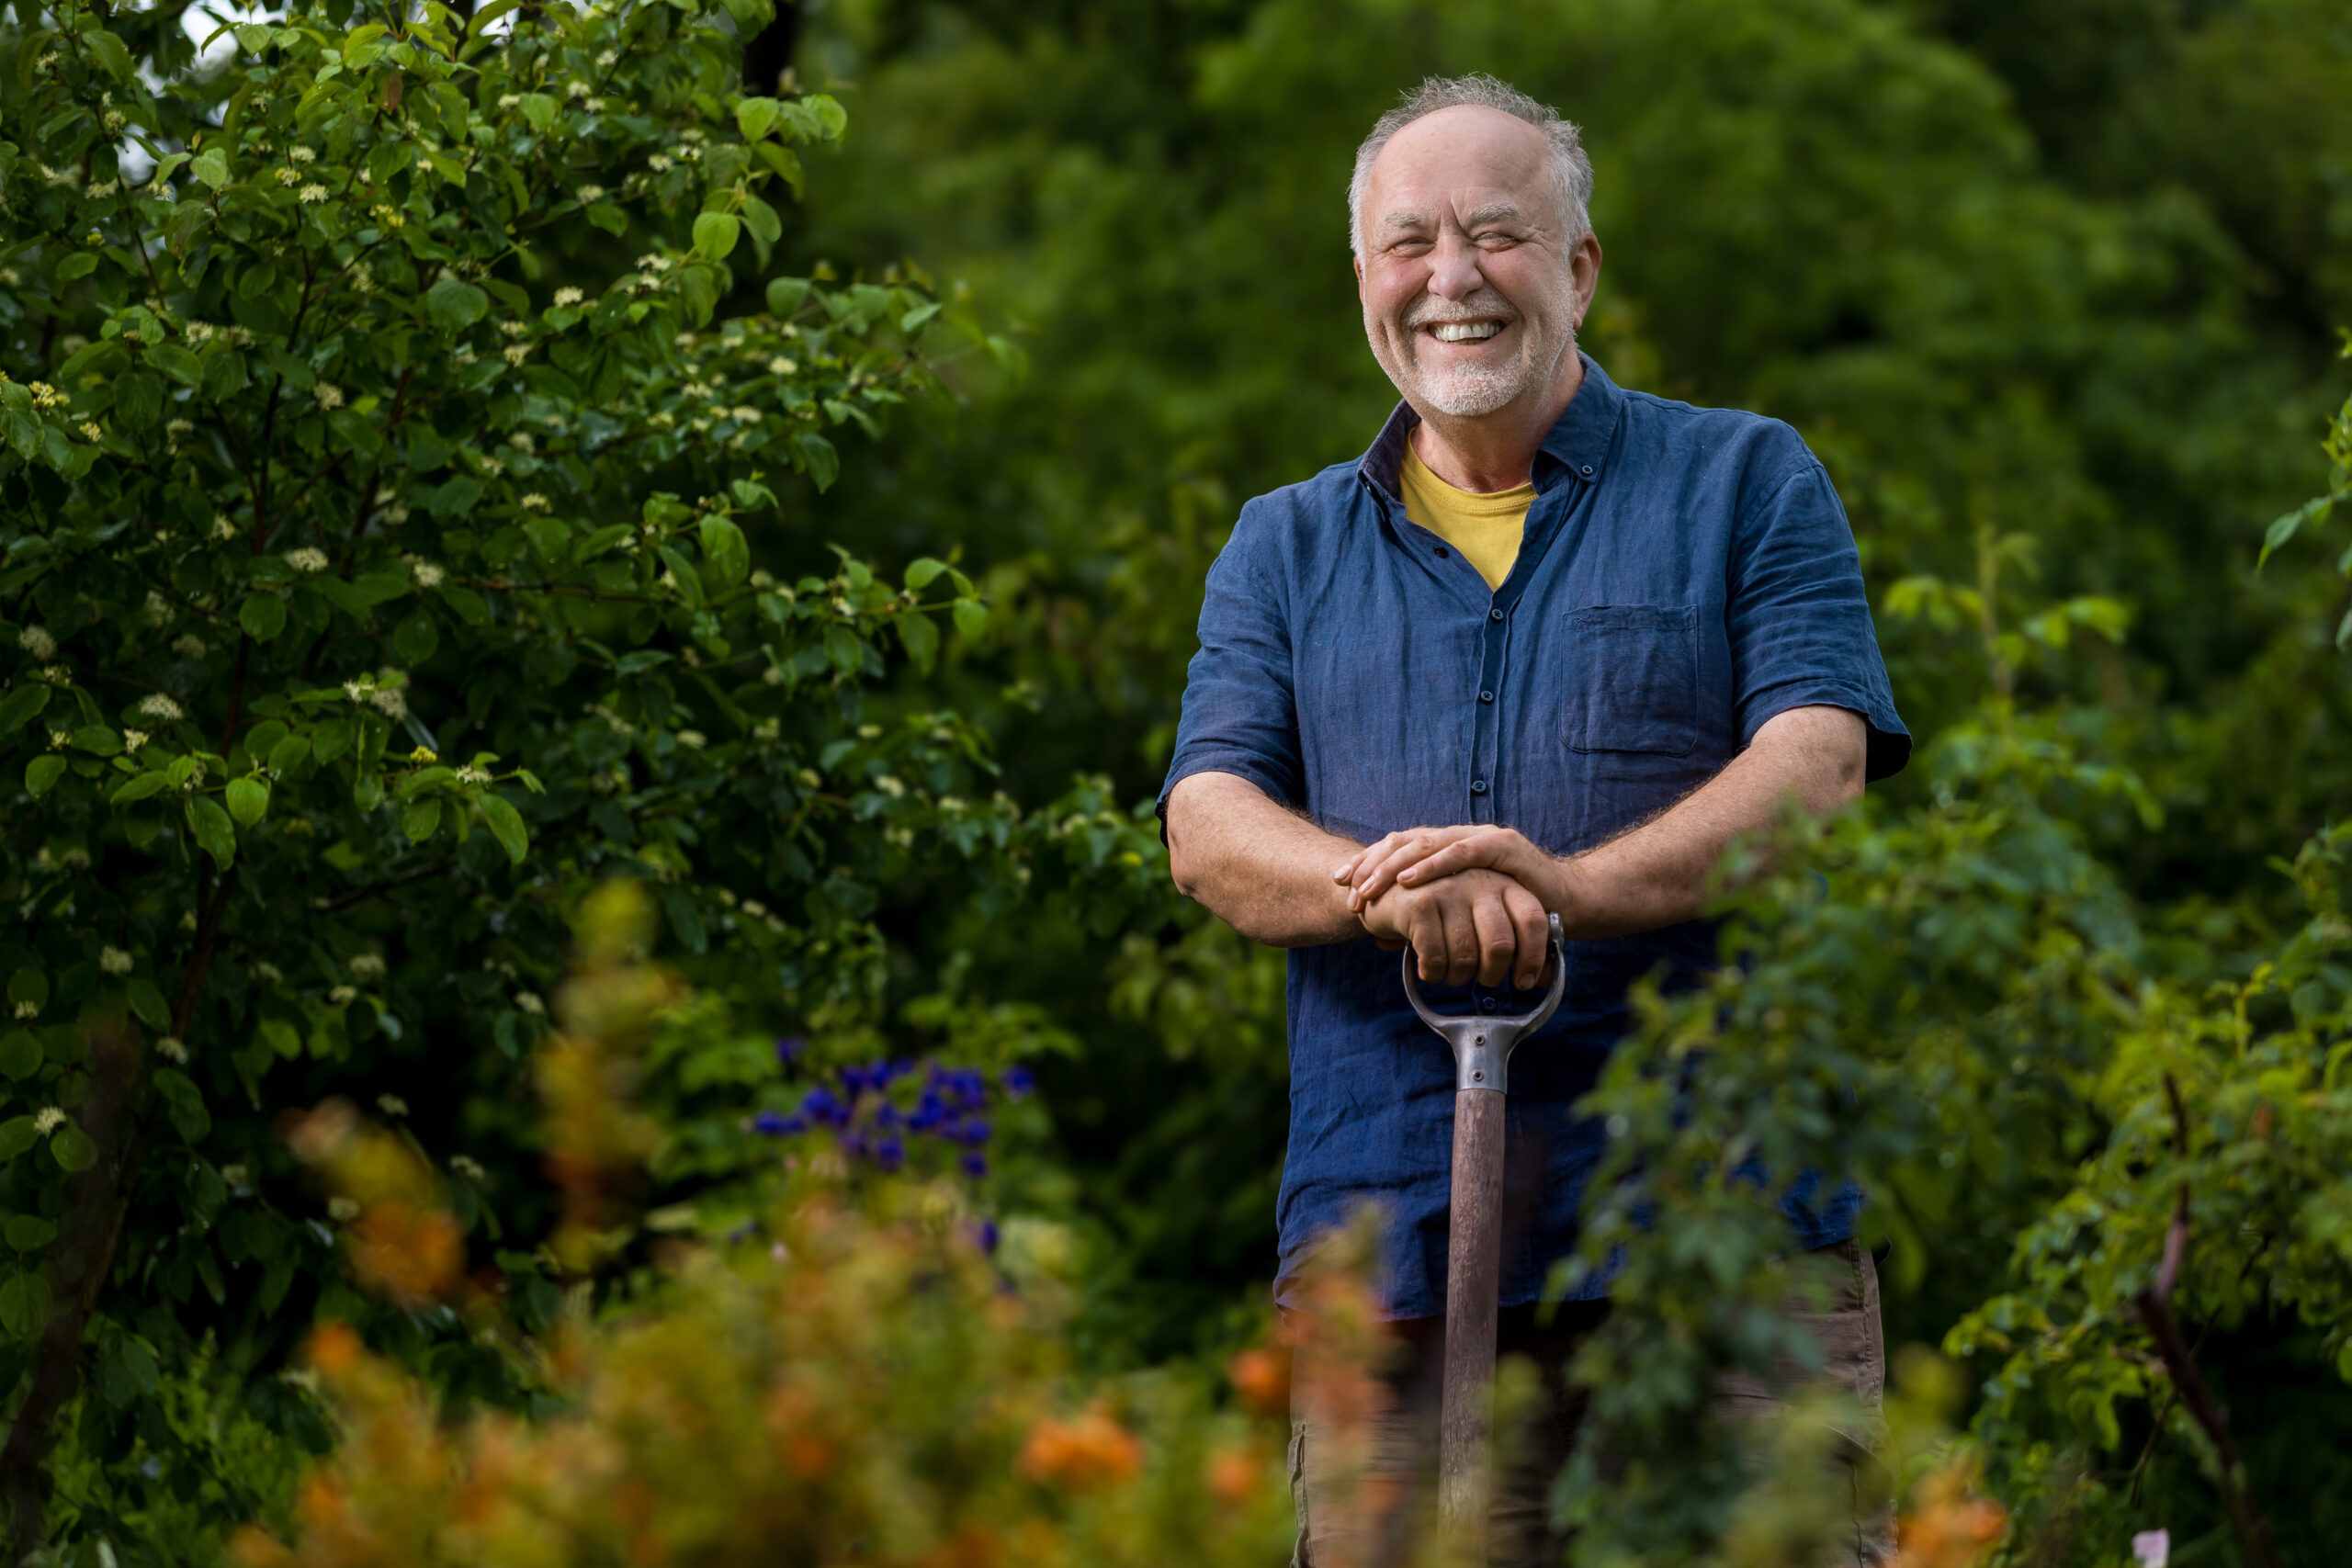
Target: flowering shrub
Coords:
[[388, 406], [848, 1375]]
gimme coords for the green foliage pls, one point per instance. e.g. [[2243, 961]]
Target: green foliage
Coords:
[[383, 419]]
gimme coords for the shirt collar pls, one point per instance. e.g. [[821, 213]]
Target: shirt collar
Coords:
[[1578, 445]]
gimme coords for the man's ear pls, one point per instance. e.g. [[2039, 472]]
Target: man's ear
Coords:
[[1357, 262]]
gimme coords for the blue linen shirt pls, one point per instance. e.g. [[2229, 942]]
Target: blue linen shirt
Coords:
[[1686, 574]]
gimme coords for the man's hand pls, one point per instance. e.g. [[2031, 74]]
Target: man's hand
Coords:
[[1418, 856], [1472, 925]]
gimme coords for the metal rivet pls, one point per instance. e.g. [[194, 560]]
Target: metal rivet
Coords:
[[1481, 1040], [1588, 469], [1477, 1078], [1495, 615]]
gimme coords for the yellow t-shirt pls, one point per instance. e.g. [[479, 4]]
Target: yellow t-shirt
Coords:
[[1486, 529]]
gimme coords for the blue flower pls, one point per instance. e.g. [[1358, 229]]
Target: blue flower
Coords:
[[975, 1132], [788, 1048], [984, 1234], [854, 1144], [975, 1164], [821, 1105], [1018, 1081], [885, 1115], [890, 1152], [775, 1125]]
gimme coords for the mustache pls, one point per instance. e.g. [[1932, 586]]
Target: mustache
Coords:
[[1481, 306]]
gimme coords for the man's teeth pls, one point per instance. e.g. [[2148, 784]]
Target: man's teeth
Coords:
[[1464, 331]]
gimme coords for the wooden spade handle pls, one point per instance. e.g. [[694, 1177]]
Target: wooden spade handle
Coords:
[[1473, 1287]]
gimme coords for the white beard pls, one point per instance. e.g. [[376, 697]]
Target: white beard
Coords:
[[1469, 391]]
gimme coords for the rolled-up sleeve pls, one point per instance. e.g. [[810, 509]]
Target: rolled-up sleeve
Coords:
[[1239, 716], [1799, 617]]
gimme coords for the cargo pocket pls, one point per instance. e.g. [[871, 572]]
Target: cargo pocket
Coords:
[[1632, 678]]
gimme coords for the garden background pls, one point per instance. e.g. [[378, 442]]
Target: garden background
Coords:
[[459, 460]]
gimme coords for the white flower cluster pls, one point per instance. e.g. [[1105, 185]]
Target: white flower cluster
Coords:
[[172, 1048], [366, 966], [133, 738], [472, 777], [428, 574], [306, 557], [392, 1105], [158, 708], [48, 1122], [328, 394], [565, 297], [114, 961], [528, 1001], [693, 739], [343, 1210], [223, 525], [28, 1010], [342, 996], [36, 641], [468, 1167], [535, 501], [187, 645]]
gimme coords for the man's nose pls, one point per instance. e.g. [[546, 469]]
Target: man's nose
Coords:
[[1453, 268]]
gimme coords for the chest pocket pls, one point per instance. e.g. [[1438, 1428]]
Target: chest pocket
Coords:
[[1632, 678]]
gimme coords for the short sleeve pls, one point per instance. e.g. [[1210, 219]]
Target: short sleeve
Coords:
[[1799, 617], [1239, 716]]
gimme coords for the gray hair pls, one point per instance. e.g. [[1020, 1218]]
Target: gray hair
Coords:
[[1480, 90]]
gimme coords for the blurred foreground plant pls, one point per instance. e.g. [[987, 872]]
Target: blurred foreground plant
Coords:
[[851, 1375]]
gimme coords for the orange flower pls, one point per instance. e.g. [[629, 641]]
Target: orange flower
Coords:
[[334, 1348], [1262, 1379], [409, 1253], [1233, 1475], [1080, 1453], [1946, 1527]]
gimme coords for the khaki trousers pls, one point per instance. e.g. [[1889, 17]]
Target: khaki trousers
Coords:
[[1403, 1447]]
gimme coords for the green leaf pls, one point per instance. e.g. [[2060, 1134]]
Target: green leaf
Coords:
[[99, 739], [138, 402], [225, 375], [23, 705], [262, 616], [416, 637], [213, 832], [608, 218], [471, 607], [177, 363], [455, 305], [211, 166], [539, 108], [923, 571], [113, 57], [922, 637], [30, 1233], [16, 1135], [761, 221], [368, 790], [785, 295], [24, 1303], [281, 1037], [685, 920], [816, 456], [755, 116], [971, 618], [42, 773], [422, 819], [715, 234], [289, 754], [29, 985], [332, 740], [20, 1054], [140, 787], [505, 825], [79, 264], [248, 800], [73, 1148], [148, 1003], [723, 548]]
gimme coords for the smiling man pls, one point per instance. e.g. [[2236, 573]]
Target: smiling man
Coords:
[[1545, 648]]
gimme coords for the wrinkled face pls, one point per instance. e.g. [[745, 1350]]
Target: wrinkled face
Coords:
[[1473, 286]]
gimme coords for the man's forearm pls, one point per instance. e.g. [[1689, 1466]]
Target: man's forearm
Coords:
[[1263, 869], [1656, 874]]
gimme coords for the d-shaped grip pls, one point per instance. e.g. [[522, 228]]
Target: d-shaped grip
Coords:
[[1482, 1045]]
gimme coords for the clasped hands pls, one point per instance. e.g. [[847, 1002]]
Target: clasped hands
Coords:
[[1470, 901]]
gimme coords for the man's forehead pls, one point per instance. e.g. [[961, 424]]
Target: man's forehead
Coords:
[[1478, 163]]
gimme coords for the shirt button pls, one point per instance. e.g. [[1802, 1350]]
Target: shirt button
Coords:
[[1486, 1004], [1441, 552], [1495, 615], [1478, 786], [1485, 696]]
